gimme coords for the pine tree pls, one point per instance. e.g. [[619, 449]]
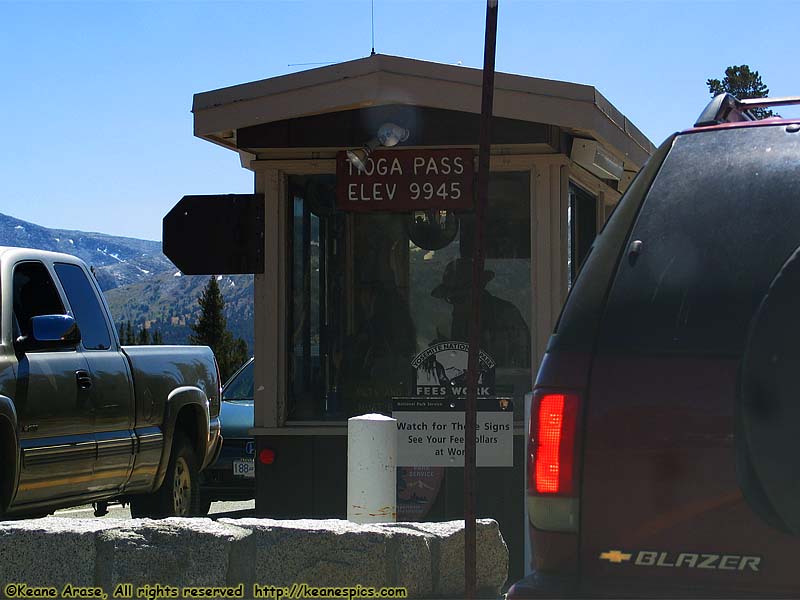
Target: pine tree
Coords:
[[143, 339], [211, 330], [129, 339], [742, 83], [157, 339]]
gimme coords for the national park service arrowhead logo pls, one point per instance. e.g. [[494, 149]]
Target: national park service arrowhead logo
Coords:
[[442, 371], [417, 490]]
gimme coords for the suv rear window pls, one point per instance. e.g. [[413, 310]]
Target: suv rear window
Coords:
[[720, 219]]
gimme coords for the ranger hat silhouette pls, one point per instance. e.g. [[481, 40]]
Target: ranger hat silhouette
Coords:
[[504, 333], [457, 278]]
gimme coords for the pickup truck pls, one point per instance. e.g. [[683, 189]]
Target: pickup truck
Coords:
[[85, 420]]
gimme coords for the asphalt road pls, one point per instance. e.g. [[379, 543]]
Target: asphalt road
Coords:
[[115, 511]]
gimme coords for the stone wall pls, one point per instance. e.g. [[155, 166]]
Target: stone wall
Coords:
[[260, 554]]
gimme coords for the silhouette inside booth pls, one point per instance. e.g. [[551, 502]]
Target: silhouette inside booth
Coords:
[[370, 291]]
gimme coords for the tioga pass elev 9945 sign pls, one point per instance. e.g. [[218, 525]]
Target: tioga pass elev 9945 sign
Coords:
[[406, 180]]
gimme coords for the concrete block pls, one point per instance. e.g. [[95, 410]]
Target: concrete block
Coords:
[[320, 552], [425, 558], [447, 552], [50, 551], [175, 551], [413, 559]]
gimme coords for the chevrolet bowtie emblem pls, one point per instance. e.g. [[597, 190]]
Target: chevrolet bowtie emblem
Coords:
[[615, 556]]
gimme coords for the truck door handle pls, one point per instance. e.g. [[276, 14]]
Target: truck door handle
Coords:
[[84, 380]]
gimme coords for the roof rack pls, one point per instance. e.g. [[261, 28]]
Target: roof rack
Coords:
[[725, 108]]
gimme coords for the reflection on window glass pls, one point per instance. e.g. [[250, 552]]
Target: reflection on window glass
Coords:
[[35, 294], [241, 386], [581, 228], [370, 308], [85, 306], [305, 338]]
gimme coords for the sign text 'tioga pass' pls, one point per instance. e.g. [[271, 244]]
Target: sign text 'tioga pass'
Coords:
[[407, 180]]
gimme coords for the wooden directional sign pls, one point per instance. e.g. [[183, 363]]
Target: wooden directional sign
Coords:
[[214, 235]]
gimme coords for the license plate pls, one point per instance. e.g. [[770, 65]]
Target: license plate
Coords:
[[244, 468]]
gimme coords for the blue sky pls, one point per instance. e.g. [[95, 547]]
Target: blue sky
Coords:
[[95, 96]]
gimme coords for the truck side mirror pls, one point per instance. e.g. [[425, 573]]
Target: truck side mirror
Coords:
[[50, 332]]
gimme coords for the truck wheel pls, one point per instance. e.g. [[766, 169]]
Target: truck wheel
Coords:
[[179, 494]]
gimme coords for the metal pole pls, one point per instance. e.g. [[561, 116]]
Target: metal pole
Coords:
[[470, 409]]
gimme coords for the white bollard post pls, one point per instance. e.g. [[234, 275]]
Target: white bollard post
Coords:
[[371, 469]]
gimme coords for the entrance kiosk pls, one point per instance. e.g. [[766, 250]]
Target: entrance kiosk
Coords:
[[366, 172]]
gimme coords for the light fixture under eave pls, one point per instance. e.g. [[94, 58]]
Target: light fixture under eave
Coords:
[[358, 157], [593, 157], [389, 135]]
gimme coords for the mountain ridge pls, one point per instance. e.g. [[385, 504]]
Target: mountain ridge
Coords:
[[141, 285], [117, 260]]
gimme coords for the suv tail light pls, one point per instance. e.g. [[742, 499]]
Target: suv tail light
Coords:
[[553, 461]]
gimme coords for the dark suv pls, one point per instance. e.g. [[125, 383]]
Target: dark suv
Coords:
[[664, 456]]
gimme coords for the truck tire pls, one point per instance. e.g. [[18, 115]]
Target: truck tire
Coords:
[[204, 505], [3, 482], [179, 494]]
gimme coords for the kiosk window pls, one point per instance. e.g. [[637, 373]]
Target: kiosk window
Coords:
[[365, 300], [581, 228]]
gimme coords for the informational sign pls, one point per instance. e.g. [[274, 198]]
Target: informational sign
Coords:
[[407, 180], [441, 370], [417, 490], [431, 432]]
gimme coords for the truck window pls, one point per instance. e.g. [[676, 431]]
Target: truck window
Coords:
[[88, 312], [35, 294], [241, 386]]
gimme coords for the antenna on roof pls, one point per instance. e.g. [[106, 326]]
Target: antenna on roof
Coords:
[[310, 64], [373, 29]]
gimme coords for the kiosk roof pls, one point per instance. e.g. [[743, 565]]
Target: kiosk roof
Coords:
[[381, 80]]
